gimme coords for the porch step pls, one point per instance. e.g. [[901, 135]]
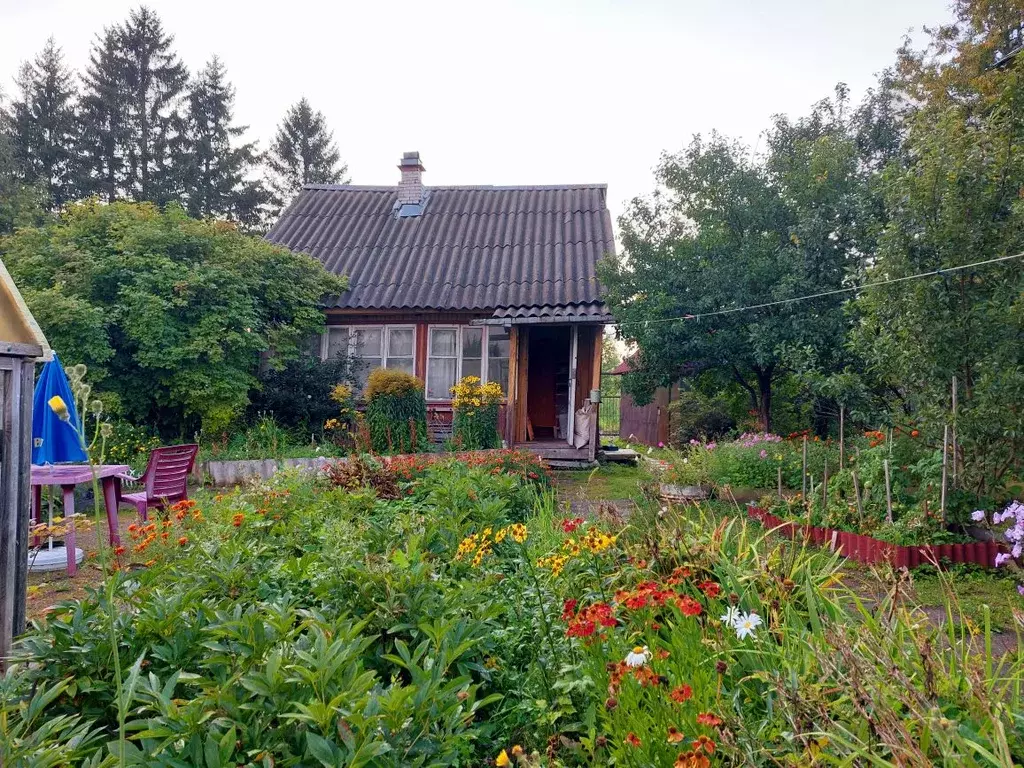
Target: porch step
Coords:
[[621, 456], [570, 464]]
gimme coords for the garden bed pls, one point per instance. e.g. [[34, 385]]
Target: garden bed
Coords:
[[871, 551]]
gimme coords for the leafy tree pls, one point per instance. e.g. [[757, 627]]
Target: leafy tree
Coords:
[[303, 152], [958, 201], [215, 178], [44, 126], [172, 315], [725, 231], [134, 88]]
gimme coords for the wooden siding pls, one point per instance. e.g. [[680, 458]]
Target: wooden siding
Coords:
[[648, 424]]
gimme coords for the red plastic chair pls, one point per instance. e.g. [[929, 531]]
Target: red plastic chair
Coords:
[[165, 479]]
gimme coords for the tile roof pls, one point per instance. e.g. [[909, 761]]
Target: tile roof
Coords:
[[472, 248]]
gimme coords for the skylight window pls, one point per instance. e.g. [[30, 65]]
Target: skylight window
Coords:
[[406, 210]]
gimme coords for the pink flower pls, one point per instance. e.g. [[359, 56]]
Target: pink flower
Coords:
[[763, 454], [1002, 558]]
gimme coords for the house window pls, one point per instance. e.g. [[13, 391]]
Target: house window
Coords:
[[372, 346], [442, 362], [454, 352], [497, 356]]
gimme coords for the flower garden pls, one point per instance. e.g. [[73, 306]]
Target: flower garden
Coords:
[[436, 610]]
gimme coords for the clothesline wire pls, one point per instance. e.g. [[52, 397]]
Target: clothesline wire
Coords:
[[934, 273]]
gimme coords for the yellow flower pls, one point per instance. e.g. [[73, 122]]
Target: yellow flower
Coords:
[[59, 407], [500, 535], [517, 750], [503, 760], [518, 532]]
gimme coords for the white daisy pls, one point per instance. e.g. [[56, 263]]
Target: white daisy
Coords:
[[745, 624], [729, 617], [638, 657]]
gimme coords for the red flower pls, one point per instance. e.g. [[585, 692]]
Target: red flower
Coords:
[[689, 606], [710, 588], [183, 541], [119, 551], [681, 693], [632, 739], [568, 609], [675, 735], [569, 524], [709, 719]]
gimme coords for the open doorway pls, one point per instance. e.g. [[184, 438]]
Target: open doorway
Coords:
[[548, 401]]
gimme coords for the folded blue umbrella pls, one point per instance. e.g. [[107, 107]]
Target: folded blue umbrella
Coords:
[[54, 441]]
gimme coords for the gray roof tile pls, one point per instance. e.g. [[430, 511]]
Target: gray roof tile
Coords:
[[473, 248]]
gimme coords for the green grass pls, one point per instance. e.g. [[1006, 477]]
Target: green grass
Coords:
[[607, 482], [974, 588]]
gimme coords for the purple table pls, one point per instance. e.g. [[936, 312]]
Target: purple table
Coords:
[[67, 476]]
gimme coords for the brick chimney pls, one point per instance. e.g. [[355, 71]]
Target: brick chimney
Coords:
[[410, 188]]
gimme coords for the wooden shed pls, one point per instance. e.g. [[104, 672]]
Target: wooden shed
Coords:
[[21, 344]]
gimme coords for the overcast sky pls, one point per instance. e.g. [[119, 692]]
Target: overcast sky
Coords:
[[538, 92]]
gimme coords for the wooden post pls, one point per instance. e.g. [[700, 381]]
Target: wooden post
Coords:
[[779, 472], [945, 462], [888, 492], [824, 488], [803, 482], [860, 502], [16, 375], [954, 387], [512, 396], [807, 500], [842, 454]]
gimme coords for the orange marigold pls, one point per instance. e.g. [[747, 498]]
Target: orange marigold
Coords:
[[632, 739], [183, 541]]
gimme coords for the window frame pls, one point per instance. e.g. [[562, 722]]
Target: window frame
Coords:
[[385, 339], [485, 339], [430, 357]]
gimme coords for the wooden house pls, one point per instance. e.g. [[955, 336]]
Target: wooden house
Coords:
[[21, 344], [446, 282]]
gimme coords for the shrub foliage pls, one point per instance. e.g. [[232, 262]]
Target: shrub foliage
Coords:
[[396, 412]]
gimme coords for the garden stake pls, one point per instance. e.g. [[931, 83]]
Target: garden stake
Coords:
[[945, 462], [841, 446], [888, 492], [779, 473], [803, 486], [954, 432], [860, 503], [824, 488]]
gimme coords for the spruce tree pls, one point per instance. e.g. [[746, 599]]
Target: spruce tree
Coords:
[[43, 125], [215, 183], [154, 81], [303, 152], [20, 203], [135, 132], [102, 115]]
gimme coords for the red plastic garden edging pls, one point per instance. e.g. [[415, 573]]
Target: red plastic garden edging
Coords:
[[867, 550]]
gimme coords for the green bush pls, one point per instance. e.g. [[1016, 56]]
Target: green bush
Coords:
[[694, 416], [396, 412], [299, 395]]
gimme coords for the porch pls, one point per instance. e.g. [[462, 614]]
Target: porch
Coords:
[[554, 370]]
